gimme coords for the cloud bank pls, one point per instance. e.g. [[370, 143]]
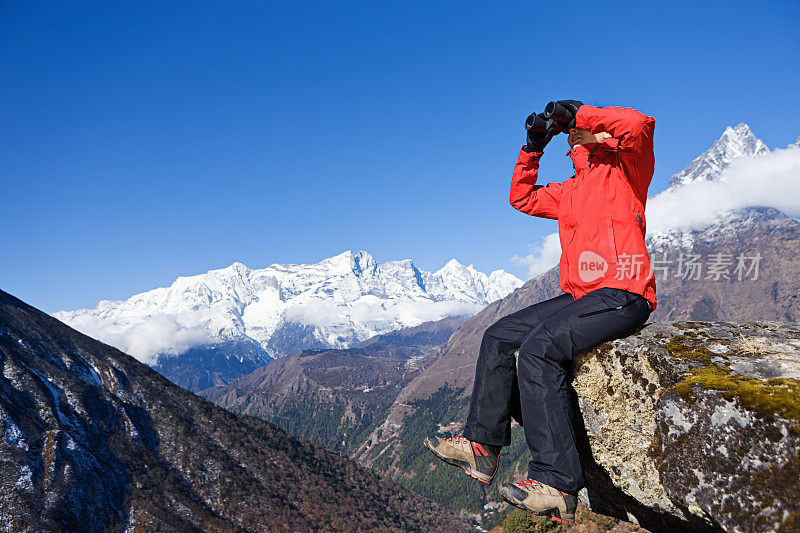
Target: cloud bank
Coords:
[[373, 311], [769, 181], [146, 341], [164, 335]]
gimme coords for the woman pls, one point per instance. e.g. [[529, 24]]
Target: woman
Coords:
[[609, 292]]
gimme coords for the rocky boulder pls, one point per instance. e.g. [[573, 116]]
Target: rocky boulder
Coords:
[[694, 426]]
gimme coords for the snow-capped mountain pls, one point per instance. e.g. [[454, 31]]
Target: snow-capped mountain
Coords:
[[719, 188], [735, 206], [735, 142], [285, 308]]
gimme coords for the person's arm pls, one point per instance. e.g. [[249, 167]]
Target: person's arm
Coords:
[[630, 129], [631, 133], [526, 195]]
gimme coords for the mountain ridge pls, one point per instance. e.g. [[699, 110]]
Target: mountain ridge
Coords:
[[330, 397], [208, 329], [256, 302], [736, 141]]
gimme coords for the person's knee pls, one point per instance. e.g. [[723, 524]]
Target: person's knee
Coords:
[[541, 346], [531, 348], [497, 331]]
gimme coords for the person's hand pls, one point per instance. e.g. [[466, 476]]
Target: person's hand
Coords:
[[537, 140], [579, 136], [566, 117]]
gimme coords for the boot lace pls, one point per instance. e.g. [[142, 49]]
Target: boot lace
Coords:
[[540, 487]]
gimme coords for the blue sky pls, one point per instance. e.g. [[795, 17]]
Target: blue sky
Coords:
[[146, 140]]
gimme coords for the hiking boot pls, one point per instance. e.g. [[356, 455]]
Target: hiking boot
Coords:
[[479, 461], [541, 499]]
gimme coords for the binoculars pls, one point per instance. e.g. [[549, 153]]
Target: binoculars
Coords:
[[540, 124], [555, 117], [559, 113]]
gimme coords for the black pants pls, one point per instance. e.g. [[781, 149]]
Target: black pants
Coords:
[[534, 390]]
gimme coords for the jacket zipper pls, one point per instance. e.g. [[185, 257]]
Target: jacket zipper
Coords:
[[608, 309]]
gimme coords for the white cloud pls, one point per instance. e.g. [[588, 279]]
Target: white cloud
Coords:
[[770, 181], [411, 313], [543, 258], [159, 335], [319, 313], [376, 313]]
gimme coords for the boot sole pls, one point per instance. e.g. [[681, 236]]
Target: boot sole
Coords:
[[462, 464], [552, 513]]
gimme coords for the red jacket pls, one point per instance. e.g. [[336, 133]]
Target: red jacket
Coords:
[[600, 210]]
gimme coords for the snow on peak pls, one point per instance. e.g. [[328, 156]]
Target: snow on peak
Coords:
[[333, 303], [453, 264], [725, 224], [502, 283], [735, 142], [459, 282]]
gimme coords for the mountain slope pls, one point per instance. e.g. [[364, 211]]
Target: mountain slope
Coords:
[[94, 440], [202, 367], [768, 242], [331, 397]]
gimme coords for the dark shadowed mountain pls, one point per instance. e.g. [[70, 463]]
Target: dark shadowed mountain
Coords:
[[94, 440], [202, 367]]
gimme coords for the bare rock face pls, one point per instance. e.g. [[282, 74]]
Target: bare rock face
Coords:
[[694, 426]]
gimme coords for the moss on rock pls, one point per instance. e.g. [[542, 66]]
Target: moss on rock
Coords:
[[691, 325], [678, 347], [769, 397], [707, 460]]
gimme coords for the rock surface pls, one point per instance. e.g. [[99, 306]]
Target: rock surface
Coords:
[[694, 425]]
